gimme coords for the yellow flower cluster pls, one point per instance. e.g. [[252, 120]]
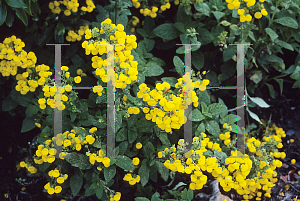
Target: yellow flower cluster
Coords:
[[13, 56], [72, 36], [133, 110], [57, 178], [238, 172], [152, 11], [69, 5], [80, 72], [45, 154], [171, 113], [100, 159], [90, 6], [125, 67], [134, 21], [49, 91], [132, 181], [244, 12], [30, 168], [115, 197], [225, 137]]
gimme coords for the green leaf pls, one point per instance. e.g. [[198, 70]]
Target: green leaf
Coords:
[[148, 149], [153, 69], [144, 174], [257, 77], [204, 36], [132, 135], [203, 8], [260, 102], [103, 14], [180, 26], [296, 74], [163, 170], [273, 35], [164, 138], [3, 13], [76, 182], [141, 199], [218, 15], [8, 104], [271, 89], [196, 115], [109, 173], [28, 124], [32, 110], [213, 128], [166, 31], [28, 7], [125, 163], [121, 135], [198, 60], [99, 191], [284, 44], [200, 129], [254, 116], [229, 52], [23, 100], [46, 132], [225, 23], [288, 22], [155, 197], [123, 147], [230, 119], [171, 80], [182, 16], [60, 28], [78, 160], [10, 18], [22, 16], [179, 65], [16, 4], [280, 82], [221, 155]]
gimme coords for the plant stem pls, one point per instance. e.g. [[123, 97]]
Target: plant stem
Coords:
[[274, 12]]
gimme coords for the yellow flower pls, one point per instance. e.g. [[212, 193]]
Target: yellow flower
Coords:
[[60, 180], [55, 173], [293, 161], [57, 189], [136, 161], [180, 142], [160, 155], [77, 79], [139, 145], [292, 140], [50, 191], [90, 139], [38, 125]]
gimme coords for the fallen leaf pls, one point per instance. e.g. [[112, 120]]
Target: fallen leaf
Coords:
[[290, 175], [283, 178]]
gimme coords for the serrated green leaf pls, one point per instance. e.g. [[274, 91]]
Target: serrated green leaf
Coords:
[[273, 35], [28, 124], [121, 135], [153, 69], [203, 8], [196, 115], [78, 160], [99, 191], [8, 104], [125, 163], [166, 31], [288, 22], [229, 52], [132, 135], [164, 138], [163, 170], [144, 174], [76, 182], [213, 127], [179, 65], [109, 173]]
